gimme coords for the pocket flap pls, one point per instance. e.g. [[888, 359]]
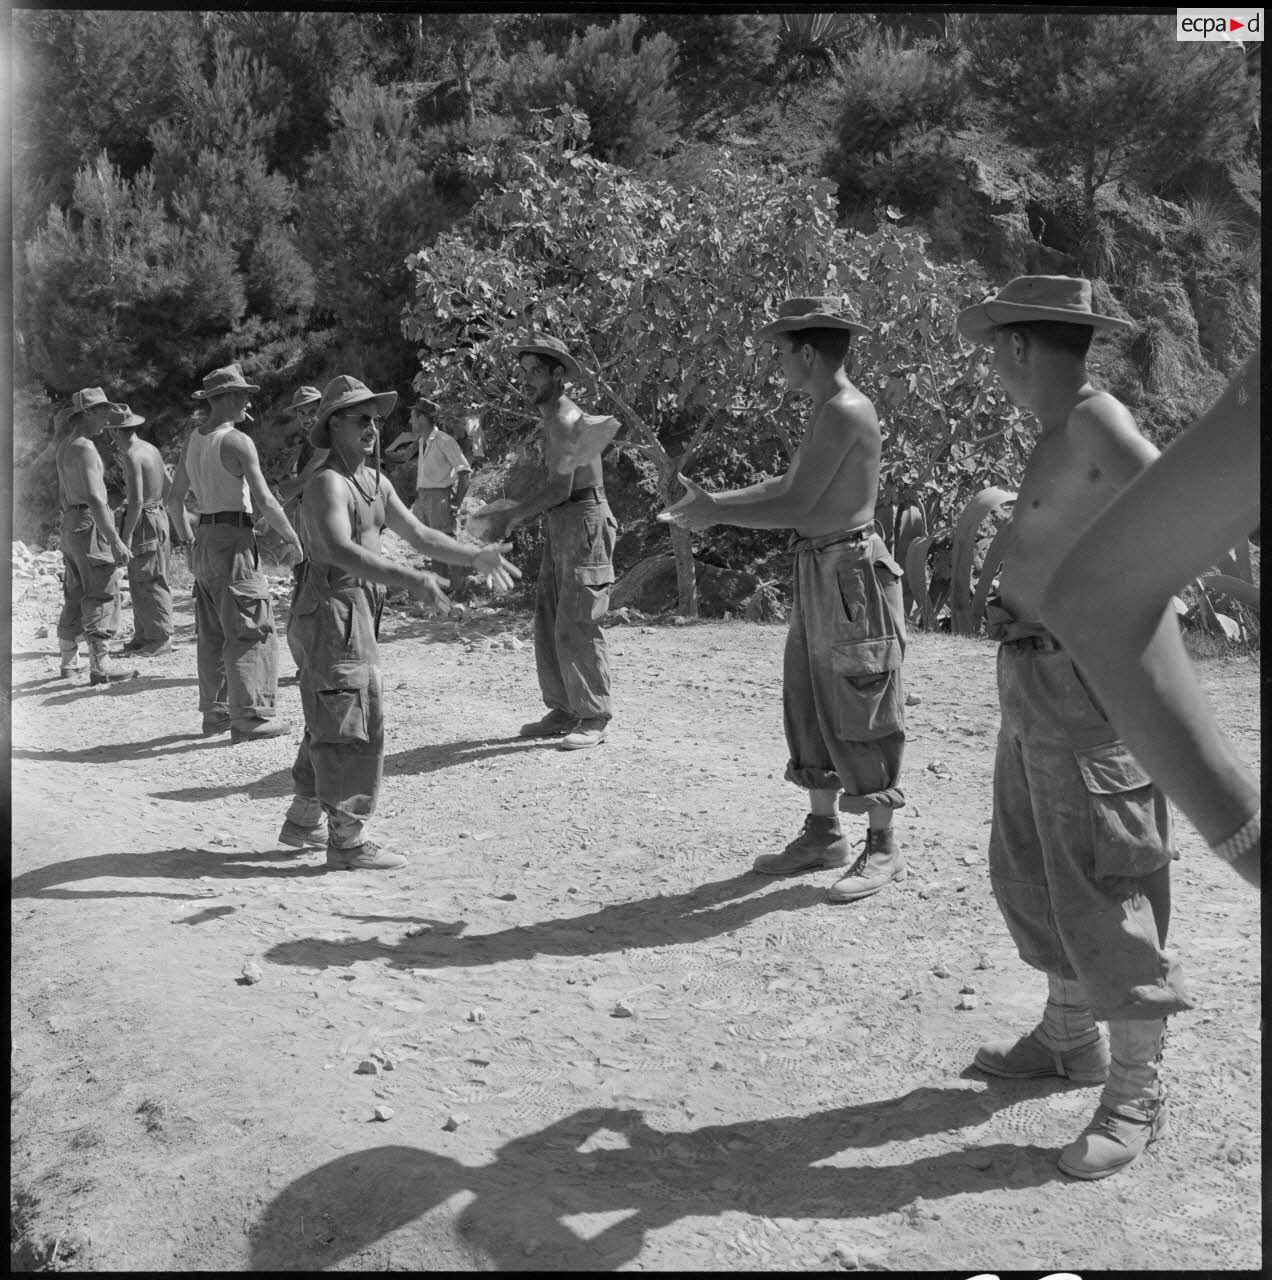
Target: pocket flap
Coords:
[[883, 558], [1110, 769], [866, 657], [594, 575]]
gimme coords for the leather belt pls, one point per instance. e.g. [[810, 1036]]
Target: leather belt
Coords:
[[239, 518], [592, 492]]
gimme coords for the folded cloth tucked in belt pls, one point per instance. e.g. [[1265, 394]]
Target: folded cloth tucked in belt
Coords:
[[242, 519], [1006, 629], [862, 533], [591, 493]]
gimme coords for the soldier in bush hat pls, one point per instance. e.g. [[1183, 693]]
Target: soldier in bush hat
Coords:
[[91, 547], [572, 593], [842, 699], [1080, 844], [237, 651], [335, 619], [145, 531]]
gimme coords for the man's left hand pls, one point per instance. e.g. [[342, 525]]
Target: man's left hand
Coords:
[[499, 573]]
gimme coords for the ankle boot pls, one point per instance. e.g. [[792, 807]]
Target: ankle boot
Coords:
[[70, 657], [100, 670]]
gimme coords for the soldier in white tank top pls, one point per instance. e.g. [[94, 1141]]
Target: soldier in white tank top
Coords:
[[215, 489]]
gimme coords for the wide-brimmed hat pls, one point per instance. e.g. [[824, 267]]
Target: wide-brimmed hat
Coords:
[[1063, 299], [810, 313], [304, 397], [343, 393], [220, 380], [543, 344], [122, 416], [83, 401]]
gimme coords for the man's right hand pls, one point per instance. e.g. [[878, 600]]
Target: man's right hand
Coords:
[[119, 550], [427, 589]]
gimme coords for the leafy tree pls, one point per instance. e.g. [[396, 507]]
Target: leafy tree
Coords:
[[622, 84], [1108, 97], [368, 200], [660, 292]]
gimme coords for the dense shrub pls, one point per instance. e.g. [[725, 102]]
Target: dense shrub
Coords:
[[621, 82]]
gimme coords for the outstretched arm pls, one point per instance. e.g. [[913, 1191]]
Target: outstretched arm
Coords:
[[239, 455], [1106, 600]]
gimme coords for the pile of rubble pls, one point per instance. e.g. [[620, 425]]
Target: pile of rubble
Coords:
[[34, 569]]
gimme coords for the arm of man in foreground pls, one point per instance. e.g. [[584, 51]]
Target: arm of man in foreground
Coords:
[[1105, 602], [781, 502], [240, 458]]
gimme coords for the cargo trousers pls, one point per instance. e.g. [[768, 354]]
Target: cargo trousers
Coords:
[[90, 581], [571, 598], [149, 569]]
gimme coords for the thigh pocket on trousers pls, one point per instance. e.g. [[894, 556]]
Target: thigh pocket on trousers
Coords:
[[253, 619], [867, 689], [339, 710], [592, 584], [1130, 823]]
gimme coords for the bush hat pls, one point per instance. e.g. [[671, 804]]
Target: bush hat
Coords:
[[542, 344], [343, 393], [304, 397], [122, 416], [220, 380], [810, 313], [83, 401], [1062, 299]]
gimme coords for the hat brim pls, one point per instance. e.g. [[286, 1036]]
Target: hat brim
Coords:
[[979, 322], [220, 391], [133, 420], [320, 436], [790, 324], [561, 357], [306, 403]]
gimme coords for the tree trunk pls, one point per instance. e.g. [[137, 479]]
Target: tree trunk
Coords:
[[465, 84], [686, 578]]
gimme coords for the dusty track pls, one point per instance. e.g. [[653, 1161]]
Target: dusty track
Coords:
[[790, 1091]]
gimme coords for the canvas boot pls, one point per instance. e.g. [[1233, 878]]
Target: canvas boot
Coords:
[[366, 856], [1030, 1058], [880, 863], [297, 836], [259, 728], [100, 670], [70, 658], [1111, 1141], [820, 844], [586, 733], [554, 725]]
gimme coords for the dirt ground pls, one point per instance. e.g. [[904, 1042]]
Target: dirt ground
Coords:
[[789, 1090]]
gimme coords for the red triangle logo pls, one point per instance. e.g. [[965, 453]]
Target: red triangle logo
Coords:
[[1234, 25]]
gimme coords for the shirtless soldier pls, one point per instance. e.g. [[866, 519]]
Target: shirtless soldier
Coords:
[[91, 548], [1080, 844], [572, 593], [335, 623], [237, 651], [842, 700], [145, 531]]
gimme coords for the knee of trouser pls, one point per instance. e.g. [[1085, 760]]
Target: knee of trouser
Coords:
[[249, 615]]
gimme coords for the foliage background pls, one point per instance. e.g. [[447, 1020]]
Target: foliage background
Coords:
[[396, 194]]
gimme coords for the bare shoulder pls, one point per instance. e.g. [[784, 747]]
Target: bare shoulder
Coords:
[[849, 414], [1102, 428]]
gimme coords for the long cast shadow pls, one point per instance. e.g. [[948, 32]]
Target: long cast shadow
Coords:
[[665, 920], [769, 1168], [183, 864], [416, 762], [114, 752], [142, 684]]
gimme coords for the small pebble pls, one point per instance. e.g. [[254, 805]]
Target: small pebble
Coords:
[[454, 1120], [383, 1113], [620, 1010], [940, 970], [367, 1067], [252, 972], [912, 699], [967, 989], [966, 1002], [477, 1015], [984, 962], [42, 633]]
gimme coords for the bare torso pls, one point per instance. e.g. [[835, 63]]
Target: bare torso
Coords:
[[80, 474], [147, 472], [849, 499], [328, 485], [574, 441], [1065, 486]]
